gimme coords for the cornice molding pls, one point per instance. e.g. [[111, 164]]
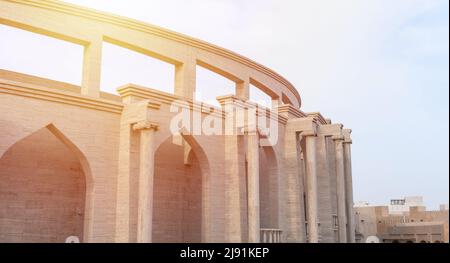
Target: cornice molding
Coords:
[[64, 97], [289, 109]]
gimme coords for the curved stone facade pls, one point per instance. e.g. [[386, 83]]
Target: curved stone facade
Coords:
[[235, 173]]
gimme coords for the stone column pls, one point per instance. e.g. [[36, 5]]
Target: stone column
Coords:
[[185, 79], [340, 182], [92, 61], [243, 90], [146, 176], [349, 187], [253, 187], [293, 189], [311, 186], [326, 180], [295, 174], [235, 171]]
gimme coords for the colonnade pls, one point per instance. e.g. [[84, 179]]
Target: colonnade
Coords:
[[303, 169]]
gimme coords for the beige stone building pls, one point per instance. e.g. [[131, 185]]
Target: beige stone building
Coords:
[[81, 163], [403, 221]]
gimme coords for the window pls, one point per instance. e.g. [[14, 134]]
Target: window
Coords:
[[397, 201]]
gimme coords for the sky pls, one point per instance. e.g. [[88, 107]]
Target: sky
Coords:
[[379, 67]]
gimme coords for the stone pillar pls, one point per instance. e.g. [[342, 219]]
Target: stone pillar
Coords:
[[185, 79], [235, 169], [349, 187], [146, 176], [253, 187], [311, 186], [326, 231], [122, 228], [276, 101], [340, 182], [293, 189], [92, 61], [243, 90], [134, 112], [295, 175], [326, 180]]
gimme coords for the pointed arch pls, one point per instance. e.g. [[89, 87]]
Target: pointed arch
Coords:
[[57, 178], [180, 190], [269, 187], [199, 152]]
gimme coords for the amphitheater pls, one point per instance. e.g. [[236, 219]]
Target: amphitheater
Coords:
[[77, 163]]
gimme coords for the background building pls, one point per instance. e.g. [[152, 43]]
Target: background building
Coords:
[[402, 221]]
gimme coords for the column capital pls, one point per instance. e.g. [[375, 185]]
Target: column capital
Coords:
[[133, 94], [253, 130], [347, 136], [306, 126], [144, 125], [232, 100], [312, 133], [330, 130], [337, 138]]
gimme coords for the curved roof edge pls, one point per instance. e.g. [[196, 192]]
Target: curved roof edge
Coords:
[[159, 31]]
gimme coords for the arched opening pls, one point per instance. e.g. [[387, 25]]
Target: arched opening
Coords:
[[42, 189], [395, 241], [210, 85], [285, 99], [409, 241], [135, 66], [260, 97], [180, 169], [423, 241], [38, 55], [268, 188]]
